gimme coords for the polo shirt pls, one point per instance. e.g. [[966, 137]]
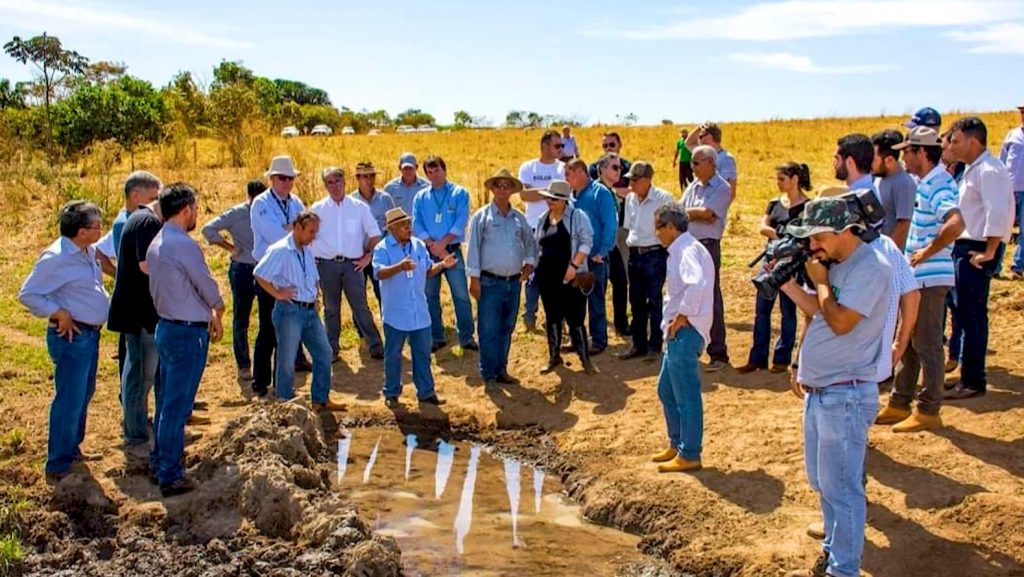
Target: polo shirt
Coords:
[[403, 297], [270, 217], [285, 266], [131, 306], [936, 199], [715, 194], [380, 203], [500, 244], [403, 194]]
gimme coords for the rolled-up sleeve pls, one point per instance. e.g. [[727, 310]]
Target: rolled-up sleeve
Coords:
[[41, 283], [474, 241]]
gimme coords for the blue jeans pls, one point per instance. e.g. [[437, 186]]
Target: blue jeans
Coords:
[[1017, 265], [596, 306], [836, 422], [295, 325], [459, 287], [679, 391], [496, 319], [74, 382], [183, 350], [783, 354], [243, 291], [532, 301], [972, 288], [141, 363], [419, 345]]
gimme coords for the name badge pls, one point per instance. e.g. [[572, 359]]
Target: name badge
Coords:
[[437, 218], [408, 274]]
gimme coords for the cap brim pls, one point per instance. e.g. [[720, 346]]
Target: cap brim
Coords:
[[404, 164], [911, 124], [801, 231]]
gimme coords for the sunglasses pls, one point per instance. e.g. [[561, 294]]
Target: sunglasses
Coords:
[[558, 146], [503, 185], [608, 145], [615, 166], [284, 178]]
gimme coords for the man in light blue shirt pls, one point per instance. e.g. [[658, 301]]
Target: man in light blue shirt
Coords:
[[403, 189], [288, 273], [598, 203], [502, 255], [403, 265], [439, 217], [66, 287], [379, 201]]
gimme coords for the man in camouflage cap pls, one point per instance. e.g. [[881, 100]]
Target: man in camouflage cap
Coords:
[[837, 370]]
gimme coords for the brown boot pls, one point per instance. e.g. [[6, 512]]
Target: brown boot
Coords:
[[890, 415], [679, 465], [330, 405], [918, 421], [664, 456]]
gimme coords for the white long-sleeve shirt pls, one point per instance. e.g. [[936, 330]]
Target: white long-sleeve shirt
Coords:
[[690, 278]]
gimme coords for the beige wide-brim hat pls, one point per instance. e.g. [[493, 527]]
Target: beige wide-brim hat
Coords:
[[504, 174], [395, 216], [365, 168], [283, 166], [557, 190]]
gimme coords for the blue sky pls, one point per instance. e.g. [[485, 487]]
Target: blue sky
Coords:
[[683, 60]]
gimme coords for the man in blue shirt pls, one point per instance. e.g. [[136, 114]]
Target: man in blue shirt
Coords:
[[379, 201], [403, 189], [403, 265], [598, 203], [439, 217], [66, 287], [288, 273]]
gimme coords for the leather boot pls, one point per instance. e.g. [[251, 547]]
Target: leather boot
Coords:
[[554, 333], [579, 339]]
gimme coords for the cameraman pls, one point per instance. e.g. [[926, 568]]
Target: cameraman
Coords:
[[839, 356]]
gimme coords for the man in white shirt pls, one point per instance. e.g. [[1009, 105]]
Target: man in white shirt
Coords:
[[343, 248], [536, 175], [686, 324]]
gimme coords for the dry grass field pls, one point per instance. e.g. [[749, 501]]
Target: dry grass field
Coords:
[[950, 502]]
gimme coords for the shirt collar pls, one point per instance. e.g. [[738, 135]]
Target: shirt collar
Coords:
[[68, 246], [938, 168], [865, 181], [291, 243], [680, 243], [981, 158]]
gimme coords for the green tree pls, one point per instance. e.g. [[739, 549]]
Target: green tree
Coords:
[[300, 93], [514, 119], [103, 72], [233, 107], [186, 103], [415, 117], [128, 110], [463, 119], [230, 72], [11, 96]]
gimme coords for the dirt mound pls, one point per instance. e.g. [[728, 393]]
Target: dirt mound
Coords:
[[264, 505]]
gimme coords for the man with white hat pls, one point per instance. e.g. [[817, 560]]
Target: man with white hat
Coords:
[[404, 188], [272, 214], [1012, 155]]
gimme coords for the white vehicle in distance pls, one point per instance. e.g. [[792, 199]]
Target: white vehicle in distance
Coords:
[[425, 128], [322, 130], [348, 130], [373, 132], [290, 131], [405, 128]]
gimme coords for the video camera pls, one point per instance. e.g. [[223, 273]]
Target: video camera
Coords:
[[789, 253]]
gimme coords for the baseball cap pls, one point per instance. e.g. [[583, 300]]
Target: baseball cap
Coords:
[[920, 136], [925, 117], [407, 159], [640, 169], [828, 214]]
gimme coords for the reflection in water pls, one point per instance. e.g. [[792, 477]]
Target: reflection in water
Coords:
[[410, 446], [371, 461], [445, 457], [343, 446], [538, 489], [512, 486], [464, 518]]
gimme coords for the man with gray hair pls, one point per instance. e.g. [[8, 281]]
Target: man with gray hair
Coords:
[[710, 134], [140, 187], [686, 323], [707, 201]]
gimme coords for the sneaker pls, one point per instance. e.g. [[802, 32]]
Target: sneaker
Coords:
[[715, 366], [918, 422], [748, 368], [179, 487], [890, 415], [961, 392], [432, 400]]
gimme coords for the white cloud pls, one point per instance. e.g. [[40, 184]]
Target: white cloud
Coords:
[[797, 63], [796, 19], [62, 16], [1004, 38]]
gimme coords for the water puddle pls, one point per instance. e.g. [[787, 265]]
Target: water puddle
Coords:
[[480, 527]]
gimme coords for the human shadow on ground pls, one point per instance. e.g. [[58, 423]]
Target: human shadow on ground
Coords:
[[913, 551], [607, 388], [756, 491], [924, 488], [740, 326], [1005, 391], [1007, 455], [522, 406]]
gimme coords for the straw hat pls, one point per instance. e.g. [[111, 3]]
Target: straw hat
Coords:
[[283, 166], [557, 190], [503, 174], [364, 168], [395, 216]]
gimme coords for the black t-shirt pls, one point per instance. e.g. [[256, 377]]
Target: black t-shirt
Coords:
[[131, 306], [779, 216]]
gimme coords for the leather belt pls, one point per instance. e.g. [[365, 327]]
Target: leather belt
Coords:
[[645, 249], [338, 258], [81, 325], [850, 383], [303, 304], [509, 278], [203, 324]]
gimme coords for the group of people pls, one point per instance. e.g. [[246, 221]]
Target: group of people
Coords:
[[948, 209]]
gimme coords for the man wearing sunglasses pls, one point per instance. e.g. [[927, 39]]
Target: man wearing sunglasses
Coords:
[[535, 175]]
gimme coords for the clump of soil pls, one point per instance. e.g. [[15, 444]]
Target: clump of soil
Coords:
[[263, 506]]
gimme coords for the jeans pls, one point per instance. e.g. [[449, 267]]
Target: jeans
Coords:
[[532, 301], [597, 309], [972, 287], [183, 350], [338, 277], [296, 325], [141, 364], [459, 287], [646, 279], [836, 422], [496, 319], [679, 391], [266, 344], [1017, 265], [74, 382], [368, 274], [419, 345], [243, 292], [620, 290], [924, 355], [716, 348], [783, 353]]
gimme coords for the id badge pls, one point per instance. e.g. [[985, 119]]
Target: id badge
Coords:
[[408, 274], [437, 218]]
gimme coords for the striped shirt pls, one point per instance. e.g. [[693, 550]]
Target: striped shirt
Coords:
[[936, 198], [903, 282]]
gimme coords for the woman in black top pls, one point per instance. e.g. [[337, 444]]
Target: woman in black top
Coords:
[[793, 180]]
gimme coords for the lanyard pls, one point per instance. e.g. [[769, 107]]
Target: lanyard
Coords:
[[301, 253], [283, 205], [444, 201]]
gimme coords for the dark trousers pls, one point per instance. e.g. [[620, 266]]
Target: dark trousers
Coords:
[[924, 355], [685, 175], [368, 273], [562, 301], [972, 287], [716, 348], [342, 277], [619, 278], [646, 279], [243, 293], [266, 344], [783, 353]]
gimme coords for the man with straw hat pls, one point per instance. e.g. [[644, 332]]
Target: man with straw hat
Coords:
[[402, 264], [379, 201], [502, 254]]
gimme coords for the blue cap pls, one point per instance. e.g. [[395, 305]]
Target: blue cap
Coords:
[[925, 117]]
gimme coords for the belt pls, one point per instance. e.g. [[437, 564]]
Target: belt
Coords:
[[645, 249], [509, 278], [338, 258], [303, 304], [850, 383], [203, 324], [81, 325]]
